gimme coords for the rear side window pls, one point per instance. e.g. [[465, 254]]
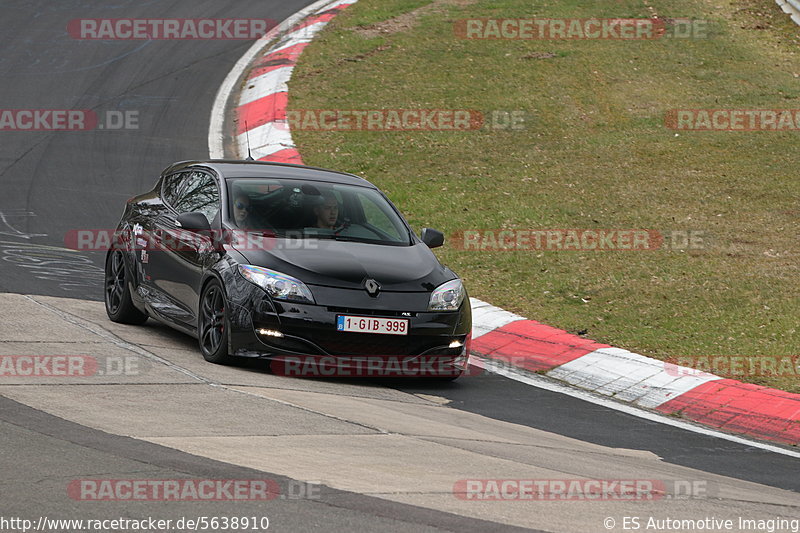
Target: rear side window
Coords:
[[199, 193], [171, 187]]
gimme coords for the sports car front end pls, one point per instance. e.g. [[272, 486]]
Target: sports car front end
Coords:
[[418, 324]]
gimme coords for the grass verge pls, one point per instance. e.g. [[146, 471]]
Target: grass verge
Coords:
[[594, 154]]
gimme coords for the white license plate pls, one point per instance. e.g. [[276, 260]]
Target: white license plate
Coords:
[[369, 324]]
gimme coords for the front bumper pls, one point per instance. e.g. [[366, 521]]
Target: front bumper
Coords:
[[437, 342]]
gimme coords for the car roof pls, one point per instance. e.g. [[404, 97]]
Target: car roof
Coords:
[[228, 169]]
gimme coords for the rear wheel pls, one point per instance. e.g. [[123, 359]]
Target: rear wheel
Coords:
[[212, 328], [119, 306]]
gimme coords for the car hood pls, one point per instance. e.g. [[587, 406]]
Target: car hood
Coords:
[[348, 264]]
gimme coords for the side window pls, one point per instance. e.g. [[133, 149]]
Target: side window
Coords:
[[375, 216], [200, 193], [171, 187]]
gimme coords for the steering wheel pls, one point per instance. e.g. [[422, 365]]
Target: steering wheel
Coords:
[[345, 225]]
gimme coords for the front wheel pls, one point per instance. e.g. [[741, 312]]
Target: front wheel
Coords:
[[212, 328], [119, 306]]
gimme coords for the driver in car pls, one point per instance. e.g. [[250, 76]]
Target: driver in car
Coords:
[[327, 213]]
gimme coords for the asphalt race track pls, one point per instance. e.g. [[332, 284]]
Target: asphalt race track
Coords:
[[56, 181], [185, 419]]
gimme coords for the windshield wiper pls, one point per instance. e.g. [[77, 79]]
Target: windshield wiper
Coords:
[[341, 238], [345, 238], [333, 237]]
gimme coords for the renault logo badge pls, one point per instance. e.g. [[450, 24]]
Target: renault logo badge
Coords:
[[372, 286]]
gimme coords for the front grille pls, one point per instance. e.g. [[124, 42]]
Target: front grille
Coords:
[[347, 343]]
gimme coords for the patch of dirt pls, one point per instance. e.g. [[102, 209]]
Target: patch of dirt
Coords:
[[362, 57], [354, 59], [539, 55], [757, 15], [406, 21]]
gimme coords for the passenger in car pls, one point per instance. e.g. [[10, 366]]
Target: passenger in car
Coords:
[[241, 211]]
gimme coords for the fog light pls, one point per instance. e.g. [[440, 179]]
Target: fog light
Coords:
[[270, 332], [456, 344]]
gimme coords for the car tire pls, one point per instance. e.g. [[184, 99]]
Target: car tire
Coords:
[[117, 296], [212, 324]]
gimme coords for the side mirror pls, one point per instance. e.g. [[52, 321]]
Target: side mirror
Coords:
[[195, 222], [433, 238]]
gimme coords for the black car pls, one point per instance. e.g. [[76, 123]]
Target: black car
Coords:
[[292, 263]]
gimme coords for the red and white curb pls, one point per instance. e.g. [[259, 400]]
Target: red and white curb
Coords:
[[710, 400], [261, 110], [500, 337], [293, 35]]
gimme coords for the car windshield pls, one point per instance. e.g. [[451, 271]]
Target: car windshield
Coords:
[[302, 209]]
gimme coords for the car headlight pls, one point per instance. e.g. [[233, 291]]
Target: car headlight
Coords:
[[279, 286], [447, 296]]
